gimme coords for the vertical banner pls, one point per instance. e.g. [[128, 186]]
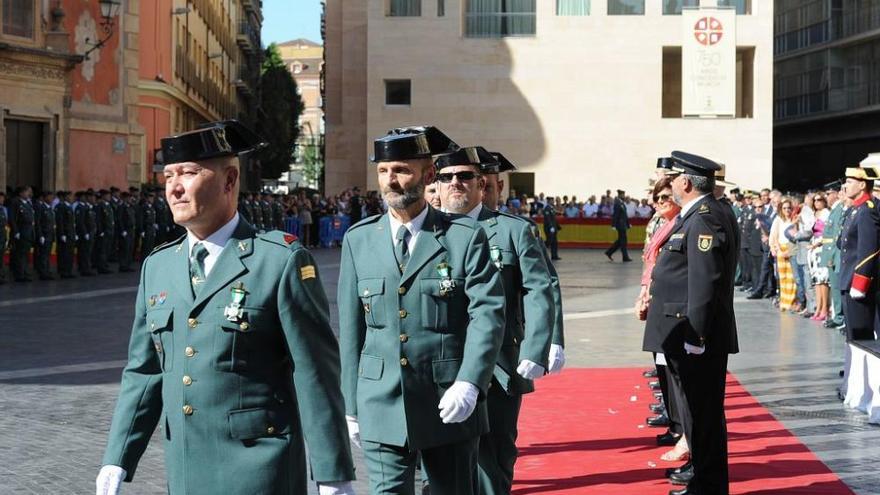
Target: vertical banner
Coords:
[[708, 62]]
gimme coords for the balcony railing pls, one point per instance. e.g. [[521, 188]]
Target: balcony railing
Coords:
[[248, 37]]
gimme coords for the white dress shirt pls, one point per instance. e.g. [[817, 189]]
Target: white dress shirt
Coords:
[[475, 213], [414, 227], [214, 243], [690, 204]]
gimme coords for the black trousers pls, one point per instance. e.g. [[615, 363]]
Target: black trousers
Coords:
[[755, 261], [103, 246], [41, 258], [65, 257], [553, 244], [703, 381], [860, 316], [620, 243], [126, 252], [673, 397], [84, 255], [745, 268], [18, 258], [767, 284]]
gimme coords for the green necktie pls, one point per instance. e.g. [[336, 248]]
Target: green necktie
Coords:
[[197, 267], [401, 249]]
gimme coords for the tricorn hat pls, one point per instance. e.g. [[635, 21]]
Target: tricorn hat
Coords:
[[211, 140], [472, 155], [410, 143], [504, 165]]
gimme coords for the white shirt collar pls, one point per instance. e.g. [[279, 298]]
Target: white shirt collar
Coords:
[[690, 204], [215, 242], [413, 226], [476, 211]]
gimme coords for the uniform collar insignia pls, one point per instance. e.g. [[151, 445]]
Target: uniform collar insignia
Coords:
[[242, 246]]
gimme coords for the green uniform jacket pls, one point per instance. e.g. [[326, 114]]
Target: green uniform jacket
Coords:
[[235, 422], [529, 306], [830, 254], [403, 342]]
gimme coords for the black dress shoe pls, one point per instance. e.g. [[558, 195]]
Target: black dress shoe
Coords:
[[658, 420], [654, 385], [609, 257], [657, 407], [627, 260], [683, 491], [678, 470], [682, 478], [650, 373], [658, 395], [668, 439], [755, 295]]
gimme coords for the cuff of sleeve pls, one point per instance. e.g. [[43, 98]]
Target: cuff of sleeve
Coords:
[[861, 282]]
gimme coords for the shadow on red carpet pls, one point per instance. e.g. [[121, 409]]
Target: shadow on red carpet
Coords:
[[583, 432]]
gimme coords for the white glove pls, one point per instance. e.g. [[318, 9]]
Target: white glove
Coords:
[[76, 237], [552, 230], [354, 430], [156, 226], [692, 349], [42, 240], [556, 359], [109, 479], [124, 234], [458, 403], [17, 235], [856, 293], [142, 234], [87, 236], [530, 370], [336, 488], [101, 234], [64, 238]]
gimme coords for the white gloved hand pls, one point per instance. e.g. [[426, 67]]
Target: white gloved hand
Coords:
[[124, 234], [101, 234], [552, 230], [530, 370], [42, 240], [557, 358], [76, 237], [109, 480], [87, 236], [16, 236], [156, 226], [336, 488], [692, 349], [354, 430], [64, 238], [856, 293], [143, 233], [458, 403]]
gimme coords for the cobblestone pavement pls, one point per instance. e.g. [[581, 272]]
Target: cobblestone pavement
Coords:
[[64, 344]]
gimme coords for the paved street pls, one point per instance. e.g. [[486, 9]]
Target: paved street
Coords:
[[64, 344]]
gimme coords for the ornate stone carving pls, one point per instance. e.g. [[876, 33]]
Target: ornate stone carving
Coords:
[[31, 71]]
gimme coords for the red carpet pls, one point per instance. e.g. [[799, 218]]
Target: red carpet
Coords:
[[579, 433]]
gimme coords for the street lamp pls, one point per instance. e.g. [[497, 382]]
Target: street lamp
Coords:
[[109, 11]]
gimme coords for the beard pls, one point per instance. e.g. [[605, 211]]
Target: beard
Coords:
[[457, 204], [399, 200]]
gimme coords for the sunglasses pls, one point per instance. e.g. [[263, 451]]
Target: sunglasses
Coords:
[[663, 197], [446, 178]]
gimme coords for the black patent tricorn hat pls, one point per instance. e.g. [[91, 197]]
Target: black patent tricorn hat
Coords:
[[211, 140], [410, 143], [504, 165], [471, 155]]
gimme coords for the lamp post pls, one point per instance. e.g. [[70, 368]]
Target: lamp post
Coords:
[[109, 11]]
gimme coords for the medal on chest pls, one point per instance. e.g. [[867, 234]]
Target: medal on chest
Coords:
[[234, 311], [446, 282], [495, 254]]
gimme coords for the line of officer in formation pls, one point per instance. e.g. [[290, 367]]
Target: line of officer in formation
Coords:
[[446, 318], [264, 211], [97, 228], [690, 317]]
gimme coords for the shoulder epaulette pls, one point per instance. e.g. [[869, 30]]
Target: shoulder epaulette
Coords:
[[870, 203], [366, 221], [704, 209], [280, 238], [168, 244]]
